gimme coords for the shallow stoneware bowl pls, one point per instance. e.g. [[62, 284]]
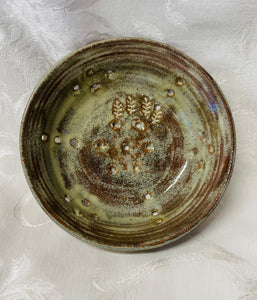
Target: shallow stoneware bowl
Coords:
[[127, 144]]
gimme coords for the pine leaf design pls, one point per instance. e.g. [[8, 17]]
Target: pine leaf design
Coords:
[[131, 105], [117, 108], [157, 115], [146, 106]]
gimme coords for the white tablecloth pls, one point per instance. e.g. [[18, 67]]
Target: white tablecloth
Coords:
[[38, 260]]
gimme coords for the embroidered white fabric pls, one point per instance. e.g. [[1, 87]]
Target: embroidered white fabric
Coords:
[[38, 260]]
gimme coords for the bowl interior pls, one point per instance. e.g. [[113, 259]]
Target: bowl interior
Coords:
[[128, 144]]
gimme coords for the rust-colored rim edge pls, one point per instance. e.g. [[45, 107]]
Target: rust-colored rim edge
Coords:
[[129, 248]]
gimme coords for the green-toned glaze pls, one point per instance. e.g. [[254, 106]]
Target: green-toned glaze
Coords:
[[128, 144]]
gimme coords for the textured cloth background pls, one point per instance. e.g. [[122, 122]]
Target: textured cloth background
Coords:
[[218, 260]]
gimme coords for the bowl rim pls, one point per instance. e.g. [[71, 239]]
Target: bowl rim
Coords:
[[53, 217]]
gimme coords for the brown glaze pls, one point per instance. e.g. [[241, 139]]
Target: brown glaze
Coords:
[[123, 146]]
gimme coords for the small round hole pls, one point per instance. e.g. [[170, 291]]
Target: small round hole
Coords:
[[170, 93], [179, 81], [136, 169], [195, 151], [95, 217], [74, 142], [147, 147], [44, 137], [76, 88], [115, 124], [85, 202], [100, 145], [95, 87], [108, 74], [148, 196], [155, 212], [112, 169], [57, 140], [139, 125]]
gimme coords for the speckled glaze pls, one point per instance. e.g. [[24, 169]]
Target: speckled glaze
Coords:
[[127, 144]]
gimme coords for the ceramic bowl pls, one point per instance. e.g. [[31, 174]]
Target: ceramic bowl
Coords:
[[127, 144]]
